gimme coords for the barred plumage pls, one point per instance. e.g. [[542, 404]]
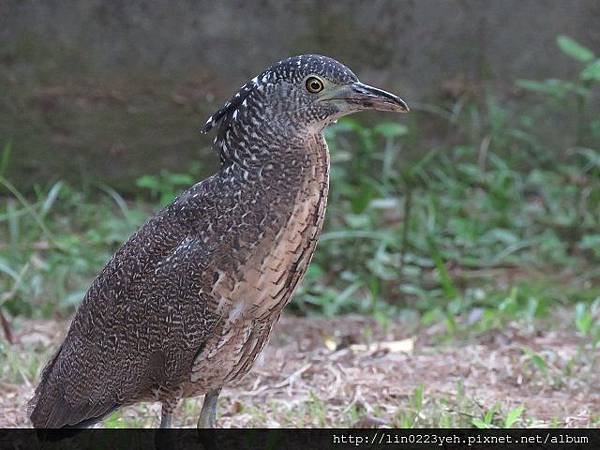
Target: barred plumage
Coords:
[[186, 305]]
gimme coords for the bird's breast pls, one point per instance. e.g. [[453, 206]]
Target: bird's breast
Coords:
[[252, 301], [281, 259], [277, 255]]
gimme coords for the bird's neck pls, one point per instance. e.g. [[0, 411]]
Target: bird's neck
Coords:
[[271, 154]]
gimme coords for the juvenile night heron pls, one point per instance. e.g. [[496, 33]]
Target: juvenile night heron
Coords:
[[187, 304]]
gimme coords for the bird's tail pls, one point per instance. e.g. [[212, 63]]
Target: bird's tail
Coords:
[[45, 409], [49, 407]]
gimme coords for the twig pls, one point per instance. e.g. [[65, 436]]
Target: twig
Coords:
[[6, 327], [406, 224], [7, 296], [283, 383]]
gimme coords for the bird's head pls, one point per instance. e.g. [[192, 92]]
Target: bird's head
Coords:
[[301, 93]]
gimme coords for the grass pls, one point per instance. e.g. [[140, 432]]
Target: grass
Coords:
[[479, 235], [318, 372], [493, 228], [458, 242]]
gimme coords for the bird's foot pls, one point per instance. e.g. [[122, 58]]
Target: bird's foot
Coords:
[[208, 414]]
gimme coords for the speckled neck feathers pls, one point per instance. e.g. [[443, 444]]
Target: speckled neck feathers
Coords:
[[263, 115]]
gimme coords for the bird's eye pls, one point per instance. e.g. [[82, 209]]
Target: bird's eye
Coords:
[[314, 85]]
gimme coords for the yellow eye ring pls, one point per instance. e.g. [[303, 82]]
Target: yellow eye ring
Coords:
[[314, 85]]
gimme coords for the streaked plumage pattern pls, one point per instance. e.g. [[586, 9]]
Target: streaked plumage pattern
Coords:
[[186, 305]]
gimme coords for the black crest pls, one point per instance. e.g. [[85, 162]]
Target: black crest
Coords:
[[225, 113]]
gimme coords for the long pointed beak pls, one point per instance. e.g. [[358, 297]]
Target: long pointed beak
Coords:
[[360, 96]]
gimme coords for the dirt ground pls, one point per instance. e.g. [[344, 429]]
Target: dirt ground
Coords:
[[351, 371]]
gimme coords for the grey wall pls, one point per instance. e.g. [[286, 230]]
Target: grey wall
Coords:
[[112, 89]]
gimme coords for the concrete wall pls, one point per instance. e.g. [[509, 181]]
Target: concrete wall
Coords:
[[109, 90]]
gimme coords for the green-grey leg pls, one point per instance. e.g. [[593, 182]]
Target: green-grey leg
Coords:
[[166, 417], [208, 414]]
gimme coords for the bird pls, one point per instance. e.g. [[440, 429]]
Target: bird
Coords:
[[187, 304]]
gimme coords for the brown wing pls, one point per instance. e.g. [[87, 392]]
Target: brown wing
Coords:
[[141, 317]]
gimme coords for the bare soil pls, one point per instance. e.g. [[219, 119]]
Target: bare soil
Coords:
[[351, 371]]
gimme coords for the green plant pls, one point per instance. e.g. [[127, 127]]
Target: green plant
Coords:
[[409, 418], [165, 186], [579, 88]]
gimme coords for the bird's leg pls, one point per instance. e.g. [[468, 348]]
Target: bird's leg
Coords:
[[166, 416], [162, 439], [208, 414], [169, 399]]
